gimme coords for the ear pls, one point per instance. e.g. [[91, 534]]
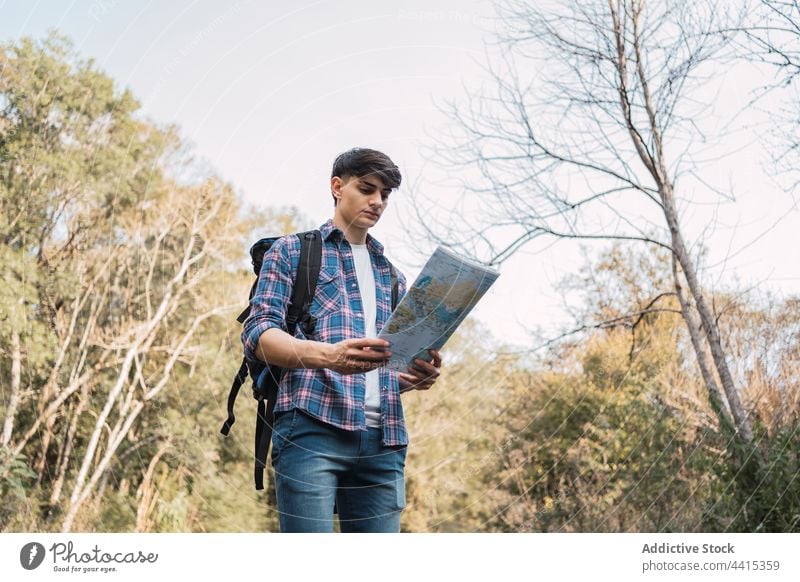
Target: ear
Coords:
[[336, 187]]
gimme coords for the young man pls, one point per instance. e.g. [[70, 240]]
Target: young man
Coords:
[[339, 434]]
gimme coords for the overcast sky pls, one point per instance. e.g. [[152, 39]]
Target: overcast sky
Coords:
[[270, 92]]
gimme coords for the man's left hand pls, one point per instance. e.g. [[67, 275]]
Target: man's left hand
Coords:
[[422, 374]]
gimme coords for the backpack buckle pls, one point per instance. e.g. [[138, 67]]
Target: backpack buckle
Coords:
[[309, 324], [261, 385]]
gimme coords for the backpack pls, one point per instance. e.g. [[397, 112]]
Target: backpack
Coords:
[[267, 377]]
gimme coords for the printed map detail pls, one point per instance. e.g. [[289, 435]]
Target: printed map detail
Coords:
[[444, 293]]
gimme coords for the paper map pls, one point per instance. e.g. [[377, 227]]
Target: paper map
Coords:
[[443, 294]]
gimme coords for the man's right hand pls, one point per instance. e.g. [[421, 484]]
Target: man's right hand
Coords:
[[353, 356]]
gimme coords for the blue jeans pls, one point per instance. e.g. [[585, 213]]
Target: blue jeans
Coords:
[[317, 464]]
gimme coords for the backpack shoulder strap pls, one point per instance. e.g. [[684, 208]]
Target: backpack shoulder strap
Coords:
[[305, 283], [267, 377], [395, 284]]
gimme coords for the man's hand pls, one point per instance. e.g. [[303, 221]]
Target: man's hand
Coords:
[[422, 374], [352, 356]]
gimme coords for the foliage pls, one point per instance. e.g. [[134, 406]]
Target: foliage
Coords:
[[612, 431], [120, 284]]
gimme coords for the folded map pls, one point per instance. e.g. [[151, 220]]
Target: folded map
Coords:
[[443, 294]]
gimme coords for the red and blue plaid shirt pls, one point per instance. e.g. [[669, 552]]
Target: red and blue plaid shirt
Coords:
[[334, 398]]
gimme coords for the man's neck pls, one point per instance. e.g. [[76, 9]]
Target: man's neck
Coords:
[[353, 234]]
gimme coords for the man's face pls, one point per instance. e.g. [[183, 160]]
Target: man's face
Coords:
[[360, 201]]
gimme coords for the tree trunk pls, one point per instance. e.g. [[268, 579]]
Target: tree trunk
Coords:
[[61, 471], [740, 418], [714, 394], [40, 466], [81, 494], [148, 493], [16, 383], [656, 164]]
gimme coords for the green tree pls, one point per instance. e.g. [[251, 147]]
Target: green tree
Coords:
[[122, 282]]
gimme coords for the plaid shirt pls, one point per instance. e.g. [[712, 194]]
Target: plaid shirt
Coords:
[[334, 398]]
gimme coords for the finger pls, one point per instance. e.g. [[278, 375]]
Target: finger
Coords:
[[424, 377], [424, 385], [426, 374], [410, 380], [418, 375], [437, 357], [368, 342], [425, 382], [404, 381], [426, 366], [369, 356]]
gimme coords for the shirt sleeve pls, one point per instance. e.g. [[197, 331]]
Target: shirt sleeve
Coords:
[[271, 299]]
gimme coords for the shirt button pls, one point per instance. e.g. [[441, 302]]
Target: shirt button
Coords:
[[352, 285]]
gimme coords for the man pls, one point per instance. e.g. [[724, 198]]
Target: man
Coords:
[[339, 433]]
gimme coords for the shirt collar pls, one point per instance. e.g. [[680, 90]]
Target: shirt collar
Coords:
[[331, 232]]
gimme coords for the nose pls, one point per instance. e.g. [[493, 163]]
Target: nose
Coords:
[[376, 200]]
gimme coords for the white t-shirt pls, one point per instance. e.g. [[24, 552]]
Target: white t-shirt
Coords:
[[366, 286]]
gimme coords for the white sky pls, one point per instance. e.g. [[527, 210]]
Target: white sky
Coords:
[[269, 93]]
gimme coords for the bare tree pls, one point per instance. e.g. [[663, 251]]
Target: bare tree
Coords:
[[772, 37], [130, 326], [774, 31], [158, 311], [585, 134], [119, 251]]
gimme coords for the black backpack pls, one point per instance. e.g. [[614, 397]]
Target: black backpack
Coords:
[[267, 377]]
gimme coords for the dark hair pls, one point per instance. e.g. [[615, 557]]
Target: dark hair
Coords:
[[360, 162]]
